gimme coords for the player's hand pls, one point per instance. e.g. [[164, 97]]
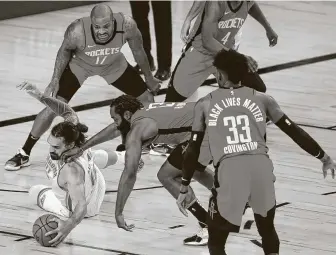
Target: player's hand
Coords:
[[252, 64], [141, 165], [328, 164], [182, 200], [153, 84], [31, 89], [272, 37], [122, 223], [185, 31], [71, 154], [62, 231], [52, 88]]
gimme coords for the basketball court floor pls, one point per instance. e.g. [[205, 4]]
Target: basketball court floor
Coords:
[[306, 215]]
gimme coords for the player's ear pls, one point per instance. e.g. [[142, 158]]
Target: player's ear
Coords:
[[127, 115]]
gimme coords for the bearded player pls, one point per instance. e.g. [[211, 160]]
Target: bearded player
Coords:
[[167, 123], [216, 28], [92, 46], [234, 118], [77, 188]]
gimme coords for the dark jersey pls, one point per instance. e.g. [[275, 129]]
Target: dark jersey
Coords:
[[174, 120], [236, 123]]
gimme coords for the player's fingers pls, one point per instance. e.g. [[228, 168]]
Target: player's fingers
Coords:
[[333, 173], [52, 232], [324, 173]]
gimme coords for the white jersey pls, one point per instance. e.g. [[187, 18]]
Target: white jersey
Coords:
[[91, 171]]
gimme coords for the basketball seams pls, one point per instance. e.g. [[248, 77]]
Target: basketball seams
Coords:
[[42, 226]]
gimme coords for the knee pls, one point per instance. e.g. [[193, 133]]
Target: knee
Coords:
[[46, 113], [165, 175], [35, 191], [173, 96]]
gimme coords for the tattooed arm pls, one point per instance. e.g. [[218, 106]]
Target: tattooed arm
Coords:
[[134, 39], [70, 42]]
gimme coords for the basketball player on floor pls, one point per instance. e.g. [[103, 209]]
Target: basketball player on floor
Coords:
[[92, 46], [215, 29], [78, 187], [168, 123], [235, 121]]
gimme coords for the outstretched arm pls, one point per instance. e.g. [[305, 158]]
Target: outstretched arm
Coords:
[[57, 106], [296, 133], [192, 153], [259, 16], [140, 131]]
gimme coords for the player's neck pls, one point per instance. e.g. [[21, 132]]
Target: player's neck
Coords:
[[229, 85]]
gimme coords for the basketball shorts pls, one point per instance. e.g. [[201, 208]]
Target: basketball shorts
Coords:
[[238, 180], [176, 157], [129, 82], [191, 70]]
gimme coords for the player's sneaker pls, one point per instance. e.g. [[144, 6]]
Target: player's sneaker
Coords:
[[21, 159], [200, 239], [161, 149]]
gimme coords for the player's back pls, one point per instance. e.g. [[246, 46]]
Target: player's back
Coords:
[[236, 123], [174, 120]]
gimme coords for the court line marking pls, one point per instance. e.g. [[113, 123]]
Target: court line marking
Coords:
[[264, 70]]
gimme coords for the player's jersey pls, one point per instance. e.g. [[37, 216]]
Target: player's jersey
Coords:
[[54, 167], [236, 123], [228, 26], [102, 59], [174, 120]]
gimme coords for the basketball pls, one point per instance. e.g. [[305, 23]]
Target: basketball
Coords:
[[42, 226]]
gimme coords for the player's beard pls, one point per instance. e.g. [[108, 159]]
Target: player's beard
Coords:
[[54, 156], [124, 126]]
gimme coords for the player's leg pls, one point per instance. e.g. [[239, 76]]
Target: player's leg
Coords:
[[45, 198], [191, 70], [230, 194], [263, 203], [97, 196], [163, 31], [140, 11], [170, 176], [68, 86]]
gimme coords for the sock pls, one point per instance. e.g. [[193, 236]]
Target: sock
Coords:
[[47, 200], [29, 144], [199, 212]]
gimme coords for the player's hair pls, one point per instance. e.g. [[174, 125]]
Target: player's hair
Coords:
[[233, 63], [70, 132], [126, 103]]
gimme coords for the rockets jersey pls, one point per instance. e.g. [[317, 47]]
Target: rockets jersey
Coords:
[[236, 123], [54, 167], [228, 26], [174, 120], [102, 59]]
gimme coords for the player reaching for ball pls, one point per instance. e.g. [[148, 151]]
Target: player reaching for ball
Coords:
[[78, 187]]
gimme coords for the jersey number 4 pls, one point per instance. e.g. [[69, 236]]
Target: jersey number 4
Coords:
[[226, 38], [240, 128]]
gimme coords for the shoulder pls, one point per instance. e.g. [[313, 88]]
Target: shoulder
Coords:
[[266, 99], [203, 103], [143, 129], [73, 173], [130, 25], [74, 32]]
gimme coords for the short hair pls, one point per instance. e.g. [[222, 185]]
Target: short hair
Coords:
[[233, 63], [126, 103], [70, 132]]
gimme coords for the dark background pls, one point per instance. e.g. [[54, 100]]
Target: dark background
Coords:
[[14, 9]]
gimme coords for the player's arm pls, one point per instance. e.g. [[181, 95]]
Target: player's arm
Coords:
[[192, 153], [75, 186], [134, 39], [259, 16], [108, 133], [195, 9], [141, 130], [296, 133], [69, 44], [209, 28]]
